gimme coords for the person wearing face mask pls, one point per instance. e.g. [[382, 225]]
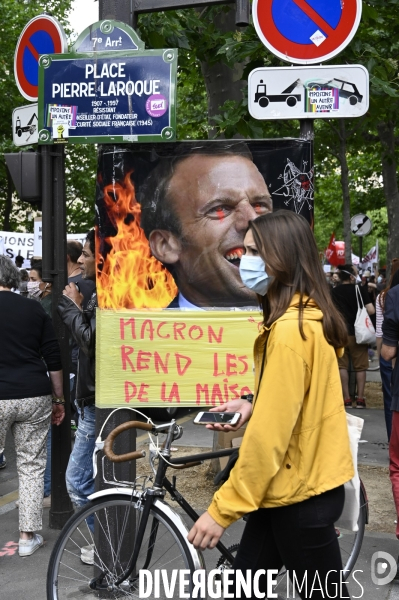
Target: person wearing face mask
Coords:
[[295, 456], [31, 394], [39, 289]]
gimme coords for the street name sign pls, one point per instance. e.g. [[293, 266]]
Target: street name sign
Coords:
[[25, 125], [42, 35], [114, 96], [106, 36], [361, 225], [308, 92], [306, 31]]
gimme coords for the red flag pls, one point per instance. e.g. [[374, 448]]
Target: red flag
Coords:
[[331, 253], [335, 252]]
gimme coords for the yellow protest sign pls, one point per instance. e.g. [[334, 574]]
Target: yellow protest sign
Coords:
[[179, 358]]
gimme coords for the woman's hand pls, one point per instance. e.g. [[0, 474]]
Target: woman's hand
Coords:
[[205, 533], [58, 414], [241, 406]]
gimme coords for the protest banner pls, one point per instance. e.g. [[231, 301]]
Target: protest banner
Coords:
[[171, 222], [14, 243], [179, 358]]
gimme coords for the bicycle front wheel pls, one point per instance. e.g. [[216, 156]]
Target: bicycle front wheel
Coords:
[[95, 547]]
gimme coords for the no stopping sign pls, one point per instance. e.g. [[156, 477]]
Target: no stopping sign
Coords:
[[306, 31], [42, 35]]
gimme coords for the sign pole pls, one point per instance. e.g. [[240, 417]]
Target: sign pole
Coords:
[[126, 471], [54, 271], [307, 130], [61, 506]]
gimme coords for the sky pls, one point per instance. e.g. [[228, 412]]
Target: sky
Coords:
[[83, 14]]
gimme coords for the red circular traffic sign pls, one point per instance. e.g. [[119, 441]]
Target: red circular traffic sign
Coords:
[[306, 31], [42, 35]]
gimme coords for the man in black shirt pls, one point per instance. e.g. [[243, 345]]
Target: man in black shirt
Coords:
[[345, 299]]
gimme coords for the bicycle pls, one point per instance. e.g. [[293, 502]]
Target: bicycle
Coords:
[[131, 528]]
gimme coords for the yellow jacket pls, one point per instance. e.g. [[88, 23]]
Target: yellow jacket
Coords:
[[296, 444]]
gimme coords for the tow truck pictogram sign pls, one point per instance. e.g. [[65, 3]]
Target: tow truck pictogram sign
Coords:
[[308, 92], [25, 125]]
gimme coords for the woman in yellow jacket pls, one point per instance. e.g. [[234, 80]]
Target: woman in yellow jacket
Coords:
[[295, 456]]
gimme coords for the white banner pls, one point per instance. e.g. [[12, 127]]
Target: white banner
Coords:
[[17, 243], [14, 243], [371, 257], [37, 237]]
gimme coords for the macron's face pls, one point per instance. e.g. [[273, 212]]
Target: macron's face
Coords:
[[214, 198]]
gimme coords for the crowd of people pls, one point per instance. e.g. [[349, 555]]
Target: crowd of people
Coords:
[[373, 290], [303, 355], [31, 376]]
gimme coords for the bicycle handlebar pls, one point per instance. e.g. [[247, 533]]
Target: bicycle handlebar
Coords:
[[108, 443]]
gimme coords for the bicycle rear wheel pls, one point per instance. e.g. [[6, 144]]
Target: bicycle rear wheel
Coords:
[[350, 542], [97, 543]]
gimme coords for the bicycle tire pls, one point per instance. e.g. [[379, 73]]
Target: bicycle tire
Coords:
[[356, 538], [108, 523]]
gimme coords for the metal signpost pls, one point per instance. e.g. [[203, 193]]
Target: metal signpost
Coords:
[[308, 92], [361, 225], [305, 32]]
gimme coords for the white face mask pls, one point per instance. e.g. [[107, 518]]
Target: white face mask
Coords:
[[253, 274], [34, 289]]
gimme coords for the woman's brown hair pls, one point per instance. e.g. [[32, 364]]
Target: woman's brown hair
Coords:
[[287, 245]]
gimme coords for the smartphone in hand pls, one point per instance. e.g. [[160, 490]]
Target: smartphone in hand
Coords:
[[219, 418]]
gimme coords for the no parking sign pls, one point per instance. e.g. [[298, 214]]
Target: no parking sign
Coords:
[[42, 35], [306, 31]]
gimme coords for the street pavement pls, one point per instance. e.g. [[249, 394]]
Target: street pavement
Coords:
[[25, 578]]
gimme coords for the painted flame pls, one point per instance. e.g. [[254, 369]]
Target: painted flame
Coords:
[[130, 277]]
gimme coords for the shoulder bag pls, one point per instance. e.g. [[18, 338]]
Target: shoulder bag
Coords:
[[364, 329], [350, 514]]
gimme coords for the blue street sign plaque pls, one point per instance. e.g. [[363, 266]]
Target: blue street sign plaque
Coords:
[[108, 97]]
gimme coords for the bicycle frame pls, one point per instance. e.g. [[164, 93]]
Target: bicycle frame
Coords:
[[150, 495]]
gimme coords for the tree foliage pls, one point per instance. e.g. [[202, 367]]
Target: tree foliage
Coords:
[[370, 143], [80, 160], [197, 39]]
